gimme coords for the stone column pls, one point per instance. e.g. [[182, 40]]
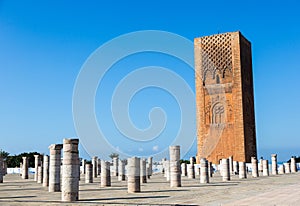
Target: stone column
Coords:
[[230, 164], [95, 165], [242, 170], [175, 170], [143, 172], [183, 169], [121, 176], [274, 164], [25, 168], [54, 167], [133, 181], [21, 168], [4, 167], [260, 165], [115, 166], [149, 167], [46, 171], [293, 164], [281, 169], [40, 174], [37, 162], [83, 162], [1, 170], [254, 167], [225, 169], [99, 167], [167, 170], [204, 176], [70, 175], [265, 167], [191, 169], [235, 167], [88, 173], [287, 167], [210, 169], [105, 174]]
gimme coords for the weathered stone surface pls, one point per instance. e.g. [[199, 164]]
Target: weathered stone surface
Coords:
[[274, 164], [105, 174], [191, 169], [25, 168], [143, 173], [95, 165], [204, 176], [88, 173], [121, 176], [293, 165], [149, 167], [133, 181], [37, 162], [183, 169], [287, 167], [242, 170], [254, 167], [55, 167], [46, 171], [225, 170], [265, 164], [175, 169], [40, 174]]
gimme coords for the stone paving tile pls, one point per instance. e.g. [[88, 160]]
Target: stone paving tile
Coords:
[[273, 190]]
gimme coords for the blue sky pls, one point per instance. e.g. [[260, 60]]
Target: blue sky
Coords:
[[44, 45]]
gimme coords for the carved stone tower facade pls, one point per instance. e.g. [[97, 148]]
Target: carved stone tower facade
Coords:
[[224, 97]]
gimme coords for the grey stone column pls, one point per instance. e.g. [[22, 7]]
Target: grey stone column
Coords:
[[54, 167], [210, 169], [99, 167], [143, 172], [225, 169], [265, 167], [167, 170], [149, 167], [37, 162], [21, 168], [40, 174], [191, 169], [70, 172], [95, 165], [105, 174], [242, 170], [183, 169], [83, 163], [25, 168], [134, 184], [175, 170], [1, 170], [121, 176], [274, 164], [46, 171], [4, 167], [88, 173], [115, 166], [260, 165], [230, 158], [204, 176], [287, 167], [293, 164], [235, 167], [254, 167], [281, 169]]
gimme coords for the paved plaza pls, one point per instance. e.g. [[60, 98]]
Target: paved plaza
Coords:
[[272, 190]]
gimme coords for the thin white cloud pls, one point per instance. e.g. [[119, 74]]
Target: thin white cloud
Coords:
[[155, 148]]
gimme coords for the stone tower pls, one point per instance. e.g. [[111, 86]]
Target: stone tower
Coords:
[[224, 97]]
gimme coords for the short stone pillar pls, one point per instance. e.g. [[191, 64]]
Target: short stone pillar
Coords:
[[121, 176], [204, 176], [25, 168], [21, 168], [210, 169], [88, 173], [54, 167], [37, 162], [260, 165], [99, 167], [281, 169], [95, 165], [1, 170], [70, 172], [105, 174], [191, 169], [183, 169], [83, 163], [143, 172], [274, 164], [254, 167], [293, 165], [167, 170], [115, 166], [149, 167], [230, 158], [133, 181], [175, 170], [265, 167], [287, 167], [40, 174], [225, 169], [235, 167], [46, 171], [4, 167], [242, 170]]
